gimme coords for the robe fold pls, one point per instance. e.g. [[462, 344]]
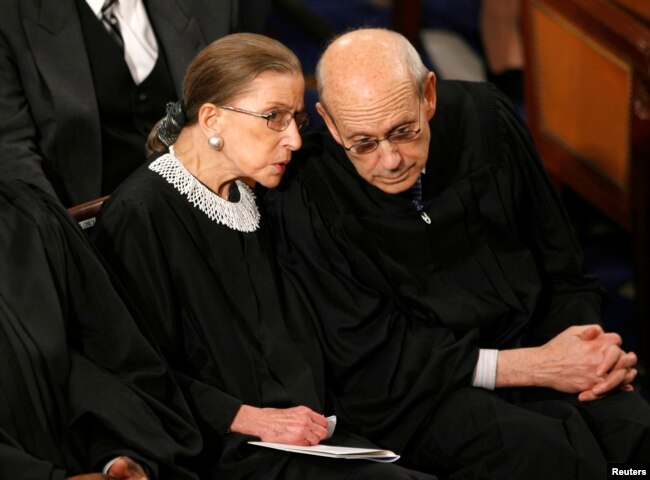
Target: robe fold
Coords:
[[79, 381]]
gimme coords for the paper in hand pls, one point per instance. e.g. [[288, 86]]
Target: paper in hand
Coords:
[[334, 451]]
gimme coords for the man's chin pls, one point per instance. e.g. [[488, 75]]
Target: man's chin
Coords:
[[395, 186]]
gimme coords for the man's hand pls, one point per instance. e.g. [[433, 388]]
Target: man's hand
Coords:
[[581, 359], [125, 468], [90, 476], [293, 426], [621, 376], [615, 371]]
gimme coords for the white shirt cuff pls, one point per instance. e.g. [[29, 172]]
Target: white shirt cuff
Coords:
[[108, 466], [485, 373]]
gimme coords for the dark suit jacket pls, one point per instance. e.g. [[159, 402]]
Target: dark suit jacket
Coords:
[[49, 120]]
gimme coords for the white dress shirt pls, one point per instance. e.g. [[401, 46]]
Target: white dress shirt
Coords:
[[140, 45]]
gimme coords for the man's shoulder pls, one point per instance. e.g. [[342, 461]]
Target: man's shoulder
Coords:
[[463, 105], [318, 173], [214, 18], [467, 96], [318, 148], [463, 88], [319, 143]]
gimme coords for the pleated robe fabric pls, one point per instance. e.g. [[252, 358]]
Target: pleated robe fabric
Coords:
[[209, 294], [79, 381]]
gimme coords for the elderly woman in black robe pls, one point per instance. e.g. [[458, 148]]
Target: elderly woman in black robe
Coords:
[[186, 235]]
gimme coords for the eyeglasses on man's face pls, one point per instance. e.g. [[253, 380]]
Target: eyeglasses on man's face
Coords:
[[277, 120], [370, 144]]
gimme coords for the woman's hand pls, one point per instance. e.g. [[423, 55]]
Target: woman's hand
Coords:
[[293, 426]]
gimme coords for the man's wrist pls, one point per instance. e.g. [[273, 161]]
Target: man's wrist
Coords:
[[515, 368]]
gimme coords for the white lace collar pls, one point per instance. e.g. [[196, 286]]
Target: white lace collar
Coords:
[[242, 216]]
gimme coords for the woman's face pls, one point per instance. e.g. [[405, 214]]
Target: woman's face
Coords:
[[254, 150]]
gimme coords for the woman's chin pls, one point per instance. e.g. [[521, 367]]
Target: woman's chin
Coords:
[[270, 181]]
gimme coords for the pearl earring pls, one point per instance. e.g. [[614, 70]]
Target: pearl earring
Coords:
[[216, 142]]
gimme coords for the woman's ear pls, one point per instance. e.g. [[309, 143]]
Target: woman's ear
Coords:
[[430, 94], [209, 118]]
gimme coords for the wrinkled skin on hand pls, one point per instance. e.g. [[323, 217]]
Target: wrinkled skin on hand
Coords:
[[293, 426], [581, 359]]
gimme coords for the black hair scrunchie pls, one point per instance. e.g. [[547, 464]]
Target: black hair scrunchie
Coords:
[[173, 122]]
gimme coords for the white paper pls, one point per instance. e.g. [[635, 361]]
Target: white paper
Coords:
[[333, 451]]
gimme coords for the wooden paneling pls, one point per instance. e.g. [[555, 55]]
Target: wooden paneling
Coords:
[[587, 88], [584, 95], [641, 8]]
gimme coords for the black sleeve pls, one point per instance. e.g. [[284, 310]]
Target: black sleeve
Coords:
[[15, 464], [132, 243], [569, 296]]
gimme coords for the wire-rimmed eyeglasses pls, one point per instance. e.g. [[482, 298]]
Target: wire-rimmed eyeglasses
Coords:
[[370, 144], [277, 120]]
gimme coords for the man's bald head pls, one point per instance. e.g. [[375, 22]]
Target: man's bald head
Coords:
[[374, 91], [365, 61]]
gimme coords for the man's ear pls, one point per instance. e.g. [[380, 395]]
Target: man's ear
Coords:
[[430, 96], [329, 122]]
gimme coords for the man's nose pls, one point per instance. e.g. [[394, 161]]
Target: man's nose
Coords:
[[390, 157]]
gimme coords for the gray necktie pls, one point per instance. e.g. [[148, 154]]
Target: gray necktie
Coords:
[[110, 22]]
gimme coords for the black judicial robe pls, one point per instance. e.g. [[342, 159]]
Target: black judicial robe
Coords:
[[400, 307], [79, 382], [209, 294]]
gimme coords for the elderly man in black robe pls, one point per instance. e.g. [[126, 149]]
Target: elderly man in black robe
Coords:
[[81, 388], [423, 247]]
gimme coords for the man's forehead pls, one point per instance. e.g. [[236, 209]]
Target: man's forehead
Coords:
[[365, 81], [354, 59], [358, 100], [363, 67]]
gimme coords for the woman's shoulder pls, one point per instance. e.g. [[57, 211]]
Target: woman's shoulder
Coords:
[[143, 190]]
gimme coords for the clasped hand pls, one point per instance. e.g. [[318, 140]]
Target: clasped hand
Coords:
[[587, 361]]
